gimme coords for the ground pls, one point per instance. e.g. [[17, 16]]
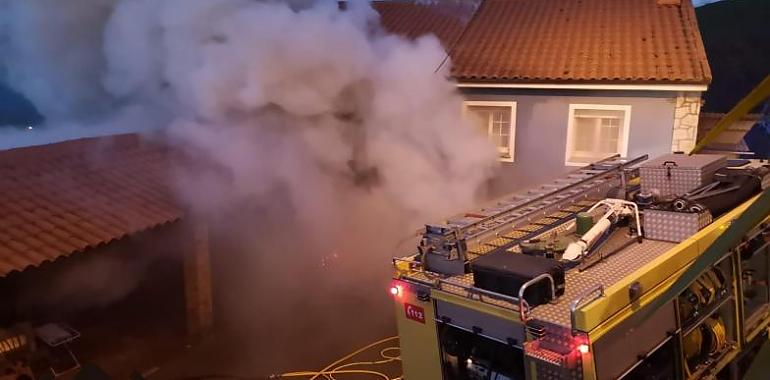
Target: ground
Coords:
[[169, 356], [145, 332]]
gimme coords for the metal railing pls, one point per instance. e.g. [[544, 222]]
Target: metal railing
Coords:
[[523, 305], [578, 302]]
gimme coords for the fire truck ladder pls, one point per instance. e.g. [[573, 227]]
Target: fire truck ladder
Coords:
[[536, 203], [521, 216]]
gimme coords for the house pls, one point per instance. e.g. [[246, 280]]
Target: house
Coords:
[[561, 83], [85, 212]]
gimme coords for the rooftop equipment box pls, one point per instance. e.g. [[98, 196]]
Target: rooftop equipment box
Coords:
[[673, 226], [676, 174], [505, 272]]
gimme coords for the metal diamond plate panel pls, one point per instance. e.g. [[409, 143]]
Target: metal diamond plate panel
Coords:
[[673, 226], [680, 182], [515, 234], [546, 221], [530, 228], [676, 174], [559, 215], [498, 242], [481, 249], [607, 272]]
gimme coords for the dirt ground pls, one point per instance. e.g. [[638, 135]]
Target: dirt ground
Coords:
[[169, 356], [272, 314], [271, 334]]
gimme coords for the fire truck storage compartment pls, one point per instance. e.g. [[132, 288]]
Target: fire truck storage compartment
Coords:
[[676, 174], [466, 355], [505, 272], [503, 330], [755, 277], [662, 364], [619, 350]]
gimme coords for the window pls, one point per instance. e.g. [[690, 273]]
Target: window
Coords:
[[596, 131], [498, 121]]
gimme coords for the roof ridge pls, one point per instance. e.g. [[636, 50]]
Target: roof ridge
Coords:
[[450, 49], [121, 138]]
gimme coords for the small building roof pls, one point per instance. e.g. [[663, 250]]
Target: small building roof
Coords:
[[574, 41], [62, 198]]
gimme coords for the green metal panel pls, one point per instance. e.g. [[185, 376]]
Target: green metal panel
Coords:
[[732, 236], [760, 366]]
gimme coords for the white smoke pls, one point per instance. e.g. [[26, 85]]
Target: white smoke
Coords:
[[274, 93], [53, 54], [342, 138], [52, 58]]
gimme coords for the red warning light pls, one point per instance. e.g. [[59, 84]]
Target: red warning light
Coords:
[[582, 344], [396, 290]]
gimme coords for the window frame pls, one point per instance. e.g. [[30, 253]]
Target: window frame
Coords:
[[624, 131], [512, 134]]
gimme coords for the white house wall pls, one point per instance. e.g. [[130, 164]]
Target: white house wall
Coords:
[[541, 128]]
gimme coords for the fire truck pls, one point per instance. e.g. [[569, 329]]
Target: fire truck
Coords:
[[625, 268]]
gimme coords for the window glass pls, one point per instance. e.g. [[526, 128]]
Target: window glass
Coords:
[[495, 121], [595, 134]]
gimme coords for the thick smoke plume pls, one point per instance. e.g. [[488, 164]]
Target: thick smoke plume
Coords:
[[319, 139], [300, 98]]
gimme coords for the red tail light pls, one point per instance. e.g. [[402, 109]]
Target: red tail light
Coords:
[[397, 290]]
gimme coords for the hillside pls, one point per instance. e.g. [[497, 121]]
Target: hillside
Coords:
[[737, 40], [15, 109]]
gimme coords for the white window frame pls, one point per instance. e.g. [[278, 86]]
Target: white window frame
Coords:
[[512, 134], [624, 128]]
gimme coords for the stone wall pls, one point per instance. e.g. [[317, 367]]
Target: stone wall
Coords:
[[686, 114]]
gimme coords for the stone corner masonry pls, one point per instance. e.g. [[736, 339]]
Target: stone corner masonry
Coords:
[[686, 112]]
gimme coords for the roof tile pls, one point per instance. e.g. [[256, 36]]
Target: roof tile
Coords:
[[632, 41], [588, 40], [413, 20]]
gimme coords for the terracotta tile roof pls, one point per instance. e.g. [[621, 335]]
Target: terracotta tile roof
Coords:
[[634, 41], [67, 197], [413, 20]]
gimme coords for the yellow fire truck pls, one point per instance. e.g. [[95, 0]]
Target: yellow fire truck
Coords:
[[629, 269], [625, 268]]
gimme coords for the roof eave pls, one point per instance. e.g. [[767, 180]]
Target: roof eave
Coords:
[[586, 85]]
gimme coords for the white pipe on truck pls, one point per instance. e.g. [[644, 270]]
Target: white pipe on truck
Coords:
[[616, 207], [576, 249]]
